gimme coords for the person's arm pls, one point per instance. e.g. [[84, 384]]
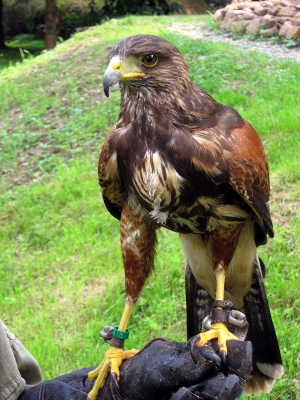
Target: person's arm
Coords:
[[18, 367]]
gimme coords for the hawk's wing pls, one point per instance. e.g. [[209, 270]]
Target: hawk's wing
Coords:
[[112, 187], [249, 175], [246, 167]]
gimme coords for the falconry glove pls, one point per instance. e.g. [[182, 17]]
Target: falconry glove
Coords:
[[162, 370]]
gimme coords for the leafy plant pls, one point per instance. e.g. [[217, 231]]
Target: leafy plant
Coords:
[[25, 54], [290, 42], [117, 8]]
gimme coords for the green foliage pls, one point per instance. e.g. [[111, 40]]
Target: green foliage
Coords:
[[60, 263], [79, 14], [12, 54], [117, 8], [290, 42], [21, 16]]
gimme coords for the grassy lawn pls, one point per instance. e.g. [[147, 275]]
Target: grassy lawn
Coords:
[[60, 264]]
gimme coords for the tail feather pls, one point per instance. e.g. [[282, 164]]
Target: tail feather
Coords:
[[198, 304], [267, 362], [266, 353]]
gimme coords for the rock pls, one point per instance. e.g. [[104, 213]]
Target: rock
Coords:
[[248, 14], [274, 10], [219, 15], [253, 26], [266, 17], [266, 3], [286, 12], [229, 19], [268, 21], [269, 32], [239, 26], [259, 10], [297, 15], [281, 3], [238, 12], [282, 20], [293, 32], [284, 29]]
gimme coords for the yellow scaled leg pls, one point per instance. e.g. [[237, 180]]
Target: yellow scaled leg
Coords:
[[113, 357], [218, 330]]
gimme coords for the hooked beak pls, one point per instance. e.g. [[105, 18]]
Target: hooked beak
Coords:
[[111, 75], [118, 70]]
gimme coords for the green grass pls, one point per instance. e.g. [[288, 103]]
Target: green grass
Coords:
[[20, 47], [60, 264]]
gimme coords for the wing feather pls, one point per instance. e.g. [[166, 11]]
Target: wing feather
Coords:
[[231, 152], [112, 187], [249, 176]]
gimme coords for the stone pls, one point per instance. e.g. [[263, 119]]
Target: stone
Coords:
[[229, 19], [248, 14], [284, 29], [293, 32], [266, 17], [239, 12], [269, 32], [243, 4], [268, 21], [259, 10], [266, 3], [274, 10], [282, 20], [282, 3], [219, 16], [253, 26], [239, 26], [286, 12]]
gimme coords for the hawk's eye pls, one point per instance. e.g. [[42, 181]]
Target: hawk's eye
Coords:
[[150, 60]]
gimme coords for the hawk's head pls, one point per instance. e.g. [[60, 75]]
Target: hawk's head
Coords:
[[148, 61]]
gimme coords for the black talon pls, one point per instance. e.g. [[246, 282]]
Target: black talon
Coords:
[[116, 384], [223, 359], [193, 348], [84, 380], [208, 353], [205, 351]]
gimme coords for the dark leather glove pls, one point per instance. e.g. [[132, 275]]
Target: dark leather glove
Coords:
[[162, 370]]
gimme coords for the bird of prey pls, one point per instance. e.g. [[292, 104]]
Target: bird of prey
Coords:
[[178, 159]]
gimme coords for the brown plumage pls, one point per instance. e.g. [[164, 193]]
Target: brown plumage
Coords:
[[178, 159]]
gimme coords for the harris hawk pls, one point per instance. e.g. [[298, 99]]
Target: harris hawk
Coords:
[[178, 159]]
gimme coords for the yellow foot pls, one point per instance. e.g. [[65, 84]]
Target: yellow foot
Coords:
[[217, 331], [113, 358]]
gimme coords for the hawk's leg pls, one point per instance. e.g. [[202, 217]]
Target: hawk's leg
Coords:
[[138, 239], [114, 356], [224, 243], [218, 330]]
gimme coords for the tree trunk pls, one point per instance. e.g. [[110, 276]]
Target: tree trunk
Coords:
[[51, 34], [2, 44]]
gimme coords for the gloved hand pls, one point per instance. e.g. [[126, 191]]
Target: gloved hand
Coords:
[[162, 370]]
